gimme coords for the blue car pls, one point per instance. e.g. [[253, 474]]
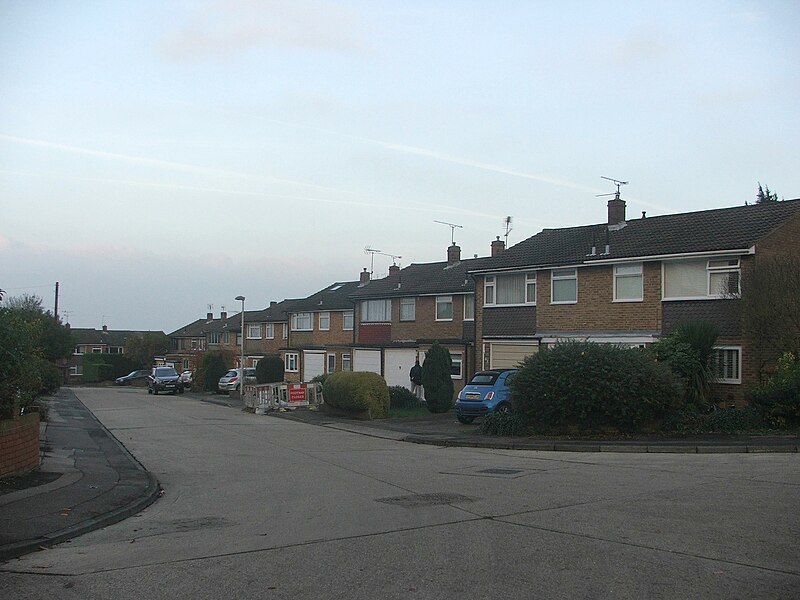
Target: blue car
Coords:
[[486, 393]]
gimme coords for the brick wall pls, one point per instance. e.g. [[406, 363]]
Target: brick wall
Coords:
[[19, 444], [425, 326]]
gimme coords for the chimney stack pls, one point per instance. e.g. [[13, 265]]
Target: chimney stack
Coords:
[[223, 315], [105, 328], [394, 272], [209, 316], [273, 303], [616, 210], [498, 246], [363, 277], [453, 254]]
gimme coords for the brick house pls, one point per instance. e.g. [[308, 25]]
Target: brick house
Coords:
[[630, 282], [190, 342], [98, 341], [398, 317], [320, 333], [267, 330]]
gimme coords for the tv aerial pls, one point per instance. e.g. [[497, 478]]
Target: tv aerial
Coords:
[[372, 252], [616, 182], [452, 227], [507, 224]]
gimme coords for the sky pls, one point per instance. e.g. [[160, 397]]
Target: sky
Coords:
[[160, 158]]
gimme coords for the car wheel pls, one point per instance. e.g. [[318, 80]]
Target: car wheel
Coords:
[[180, 390], [155, 392], [149, 391], [465, 420], [503, 408]]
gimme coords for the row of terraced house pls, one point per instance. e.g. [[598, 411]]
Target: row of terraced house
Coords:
[[625, 281]]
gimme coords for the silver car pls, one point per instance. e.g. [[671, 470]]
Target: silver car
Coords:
[[231, 380]]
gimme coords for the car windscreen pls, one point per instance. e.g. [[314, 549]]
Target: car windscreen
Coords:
[[166, 372], [231, 373], [484, 378]]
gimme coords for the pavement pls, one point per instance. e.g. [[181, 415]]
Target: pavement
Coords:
[[88, 480]]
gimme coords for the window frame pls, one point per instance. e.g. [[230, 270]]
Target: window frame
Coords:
[[306, 317], [214, 337], [725, 269], [387, 310], [326, 315], [709, 272], [717, 363], [292, 360], [471, 298], [347, 360], [250, 327], [269, 331], [328, 369], [348, 315], [554, 278], [459, 362], [530, 286], [441, 300], [406, 302], [639, 275]]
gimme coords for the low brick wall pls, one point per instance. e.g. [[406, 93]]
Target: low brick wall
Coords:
[[19, 444]]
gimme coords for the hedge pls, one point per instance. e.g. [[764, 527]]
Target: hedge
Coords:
[[358, 392]]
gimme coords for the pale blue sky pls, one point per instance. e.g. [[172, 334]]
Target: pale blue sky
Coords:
[[159, 157]]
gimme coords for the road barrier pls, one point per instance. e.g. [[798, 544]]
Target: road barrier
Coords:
[[264, 397]]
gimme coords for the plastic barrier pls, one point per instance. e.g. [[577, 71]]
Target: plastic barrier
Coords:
[[265, 397]]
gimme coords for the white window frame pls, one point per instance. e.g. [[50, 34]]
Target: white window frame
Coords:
[[348, 316], [292, 360], [269, 331], [722, 362], [469, 300], [79, 350], [96, 350], [734, 266], [347, 363], [302, 321], [214, 338], [329, 369], [387, 310], [490, 283], [286, 331], [325, 321], [561, 275], [444, 300], [406, 303], [710, 270], [457, 359], [619, 273], [74, 370], [250, 327]]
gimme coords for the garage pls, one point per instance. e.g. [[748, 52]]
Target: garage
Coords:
[[397, 366], [367, 360], [508, 356], [313, 364]]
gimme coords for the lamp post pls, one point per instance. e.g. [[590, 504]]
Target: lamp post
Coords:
[[241, 364]]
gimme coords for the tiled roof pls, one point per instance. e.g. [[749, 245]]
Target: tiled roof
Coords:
[[704, 231], [199, 328], [112, 337], [276, 313], [334, 297], [419, 279]]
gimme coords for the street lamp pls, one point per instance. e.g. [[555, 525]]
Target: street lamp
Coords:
[[241, 364]]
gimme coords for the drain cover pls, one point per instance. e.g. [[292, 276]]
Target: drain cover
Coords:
[[418, 500], [501, 471]]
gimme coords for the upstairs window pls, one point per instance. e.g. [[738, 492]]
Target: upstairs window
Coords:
[[408, 309], [324, 321], [301, 321], [628, 283], [700, 278], [564, 288], [269, 330], [509, 290], [723, 277], [376, 311], [347, 320], [469, 307], [254, 331], [444, 308]]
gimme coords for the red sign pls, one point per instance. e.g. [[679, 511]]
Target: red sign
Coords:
[[297, 393]]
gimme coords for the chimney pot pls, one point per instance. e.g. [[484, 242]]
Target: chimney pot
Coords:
[[644, 215], [498, 246], [453, 254]]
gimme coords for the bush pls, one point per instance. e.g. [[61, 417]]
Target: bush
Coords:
[[727, 420], [437, 380], [119, 365], [212, 367], [270, 369], [402, 397], [778, 401], [321, 378], [504, 424], [50, 375], [587, 386], [357, 391]]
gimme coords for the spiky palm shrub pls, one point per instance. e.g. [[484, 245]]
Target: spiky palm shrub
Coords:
[[436, 379], [270, 369]]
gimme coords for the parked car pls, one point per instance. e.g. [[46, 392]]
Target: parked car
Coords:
[[487, 392], [164, 379], [186, 378], [133, 377], [231, 380]]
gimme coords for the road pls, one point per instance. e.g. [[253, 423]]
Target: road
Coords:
[[261, 507]]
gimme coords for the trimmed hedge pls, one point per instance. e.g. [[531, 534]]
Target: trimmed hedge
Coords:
[[590, 387], [358, 392], [105, 367], [270, 369]]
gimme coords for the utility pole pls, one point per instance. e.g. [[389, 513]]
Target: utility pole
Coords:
[[56, 308]]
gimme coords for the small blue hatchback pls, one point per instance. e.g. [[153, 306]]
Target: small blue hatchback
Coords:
[[486, 393]]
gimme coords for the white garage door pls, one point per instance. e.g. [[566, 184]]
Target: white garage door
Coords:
[[398, 363], [313, 365], [507, 356], [367, 360]]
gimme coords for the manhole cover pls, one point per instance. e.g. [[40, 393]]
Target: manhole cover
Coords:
[[418, 500], [501, 471]]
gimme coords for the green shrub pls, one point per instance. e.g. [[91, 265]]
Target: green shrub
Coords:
[[778, 401], [402, 397], [270, 369], [211, 368], [437, 380], [587, 386], [505, 424], [358, 391], [96, 369], [320, 378], [50, 375], [727, 420]]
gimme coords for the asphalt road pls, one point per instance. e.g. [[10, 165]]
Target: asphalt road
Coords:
[[261, 507]]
